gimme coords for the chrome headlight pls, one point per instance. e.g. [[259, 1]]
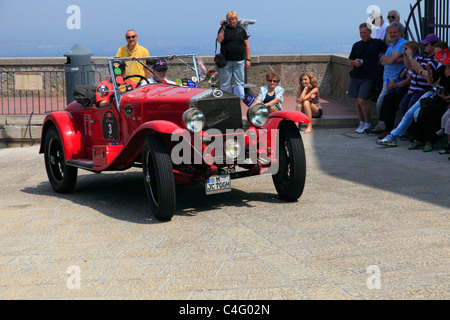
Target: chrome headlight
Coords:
[[194, 120], [232, 148], [258, 114]]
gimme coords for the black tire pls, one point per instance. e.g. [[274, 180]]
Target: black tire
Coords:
[[158, 177], [289, 181], [61, 176]]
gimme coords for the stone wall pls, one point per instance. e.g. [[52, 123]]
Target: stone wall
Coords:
[[330, 70]]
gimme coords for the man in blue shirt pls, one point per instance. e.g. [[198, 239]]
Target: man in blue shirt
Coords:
[[392, 60]]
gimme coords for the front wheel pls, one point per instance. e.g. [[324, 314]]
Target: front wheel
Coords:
[[61, 176], [158, 177], [289, 181]]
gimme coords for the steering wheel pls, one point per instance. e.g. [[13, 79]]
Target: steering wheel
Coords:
[[141, 78]]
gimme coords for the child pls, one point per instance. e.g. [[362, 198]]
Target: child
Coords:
[[308, 98]]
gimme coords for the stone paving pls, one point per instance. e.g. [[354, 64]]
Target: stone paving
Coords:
[[372, 223]]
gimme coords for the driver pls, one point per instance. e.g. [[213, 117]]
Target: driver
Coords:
[[104, 99], [159, 72]]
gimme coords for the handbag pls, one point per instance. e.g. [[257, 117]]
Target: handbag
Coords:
[[219, 59], [434, 101]]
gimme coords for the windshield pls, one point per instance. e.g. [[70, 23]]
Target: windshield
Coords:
[[182, 70]]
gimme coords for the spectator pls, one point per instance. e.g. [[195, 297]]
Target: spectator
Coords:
[[308, 98], [392, 61], [234, 45], [445, 129], [364, 60], [393, 16], [133, 50], [271, 94], [430, 115], [419, 84], [381, 25], [391, 139], [160, 70], [397, 90]]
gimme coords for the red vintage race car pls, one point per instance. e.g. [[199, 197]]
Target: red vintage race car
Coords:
[[184, 131]]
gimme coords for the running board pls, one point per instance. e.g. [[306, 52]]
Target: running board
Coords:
[[85, 164]]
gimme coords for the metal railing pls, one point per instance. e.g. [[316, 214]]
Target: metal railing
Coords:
[[33, 92], [429, 16], [26, 92]]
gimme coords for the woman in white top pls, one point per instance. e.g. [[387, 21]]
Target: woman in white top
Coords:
[[271, 94]]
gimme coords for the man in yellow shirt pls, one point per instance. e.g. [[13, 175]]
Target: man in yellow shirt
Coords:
[[133, 49]]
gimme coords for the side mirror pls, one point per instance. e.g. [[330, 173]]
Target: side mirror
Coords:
[[102, 91]]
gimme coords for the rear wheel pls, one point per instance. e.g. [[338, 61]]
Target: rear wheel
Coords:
[[289, 181], [61, 176], [158, 177]]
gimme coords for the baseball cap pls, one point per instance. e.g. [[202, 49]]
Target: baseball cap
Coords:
[[160, 64], [430, 38]]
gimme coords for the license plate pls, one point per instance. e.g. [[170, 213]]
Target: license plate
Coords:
[[218, 184]]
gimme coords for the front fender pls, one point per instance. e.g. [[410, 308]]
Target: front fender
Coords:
[[292, 115], [276, 117], [69, 132], [133, 144]]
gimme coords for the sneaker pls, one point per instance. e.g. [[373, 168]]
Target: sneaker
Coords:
[[375, 131], [364, 128], [446, 150], [359, 129], [384, 134], [388, 141]]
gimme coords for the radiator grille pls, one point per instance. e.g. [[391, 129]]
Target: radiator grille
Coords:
[[220, 112]]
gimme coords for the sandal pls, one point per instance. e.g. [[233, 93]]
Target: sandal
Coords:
[[428, 148], [416, 145]]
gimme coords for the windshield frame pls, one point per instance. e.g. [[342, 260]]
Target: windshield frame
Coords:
[[141, 60]]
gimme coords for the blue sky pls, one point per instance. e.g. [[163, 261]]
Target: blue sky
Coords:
[[39, 28]]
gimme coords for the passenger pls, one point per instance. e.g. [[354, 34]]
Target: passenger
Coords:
[[392, 61], [105, 89], [391, 139], [160, 70], [430, 115], [133, 50], [364, 58], [308, 98], [271, 94]]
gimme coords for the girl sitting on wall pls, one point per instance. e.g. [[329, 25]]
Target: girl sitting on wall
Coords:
[[308, 98]]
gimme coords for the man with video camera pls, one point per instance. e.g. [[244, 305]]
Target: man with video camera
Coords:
[[234, 44]]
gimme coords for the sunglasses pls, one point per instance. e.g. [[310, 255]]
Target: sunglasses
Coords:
[[131, 37], [391, 17], [276, 81], [161, 70]]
